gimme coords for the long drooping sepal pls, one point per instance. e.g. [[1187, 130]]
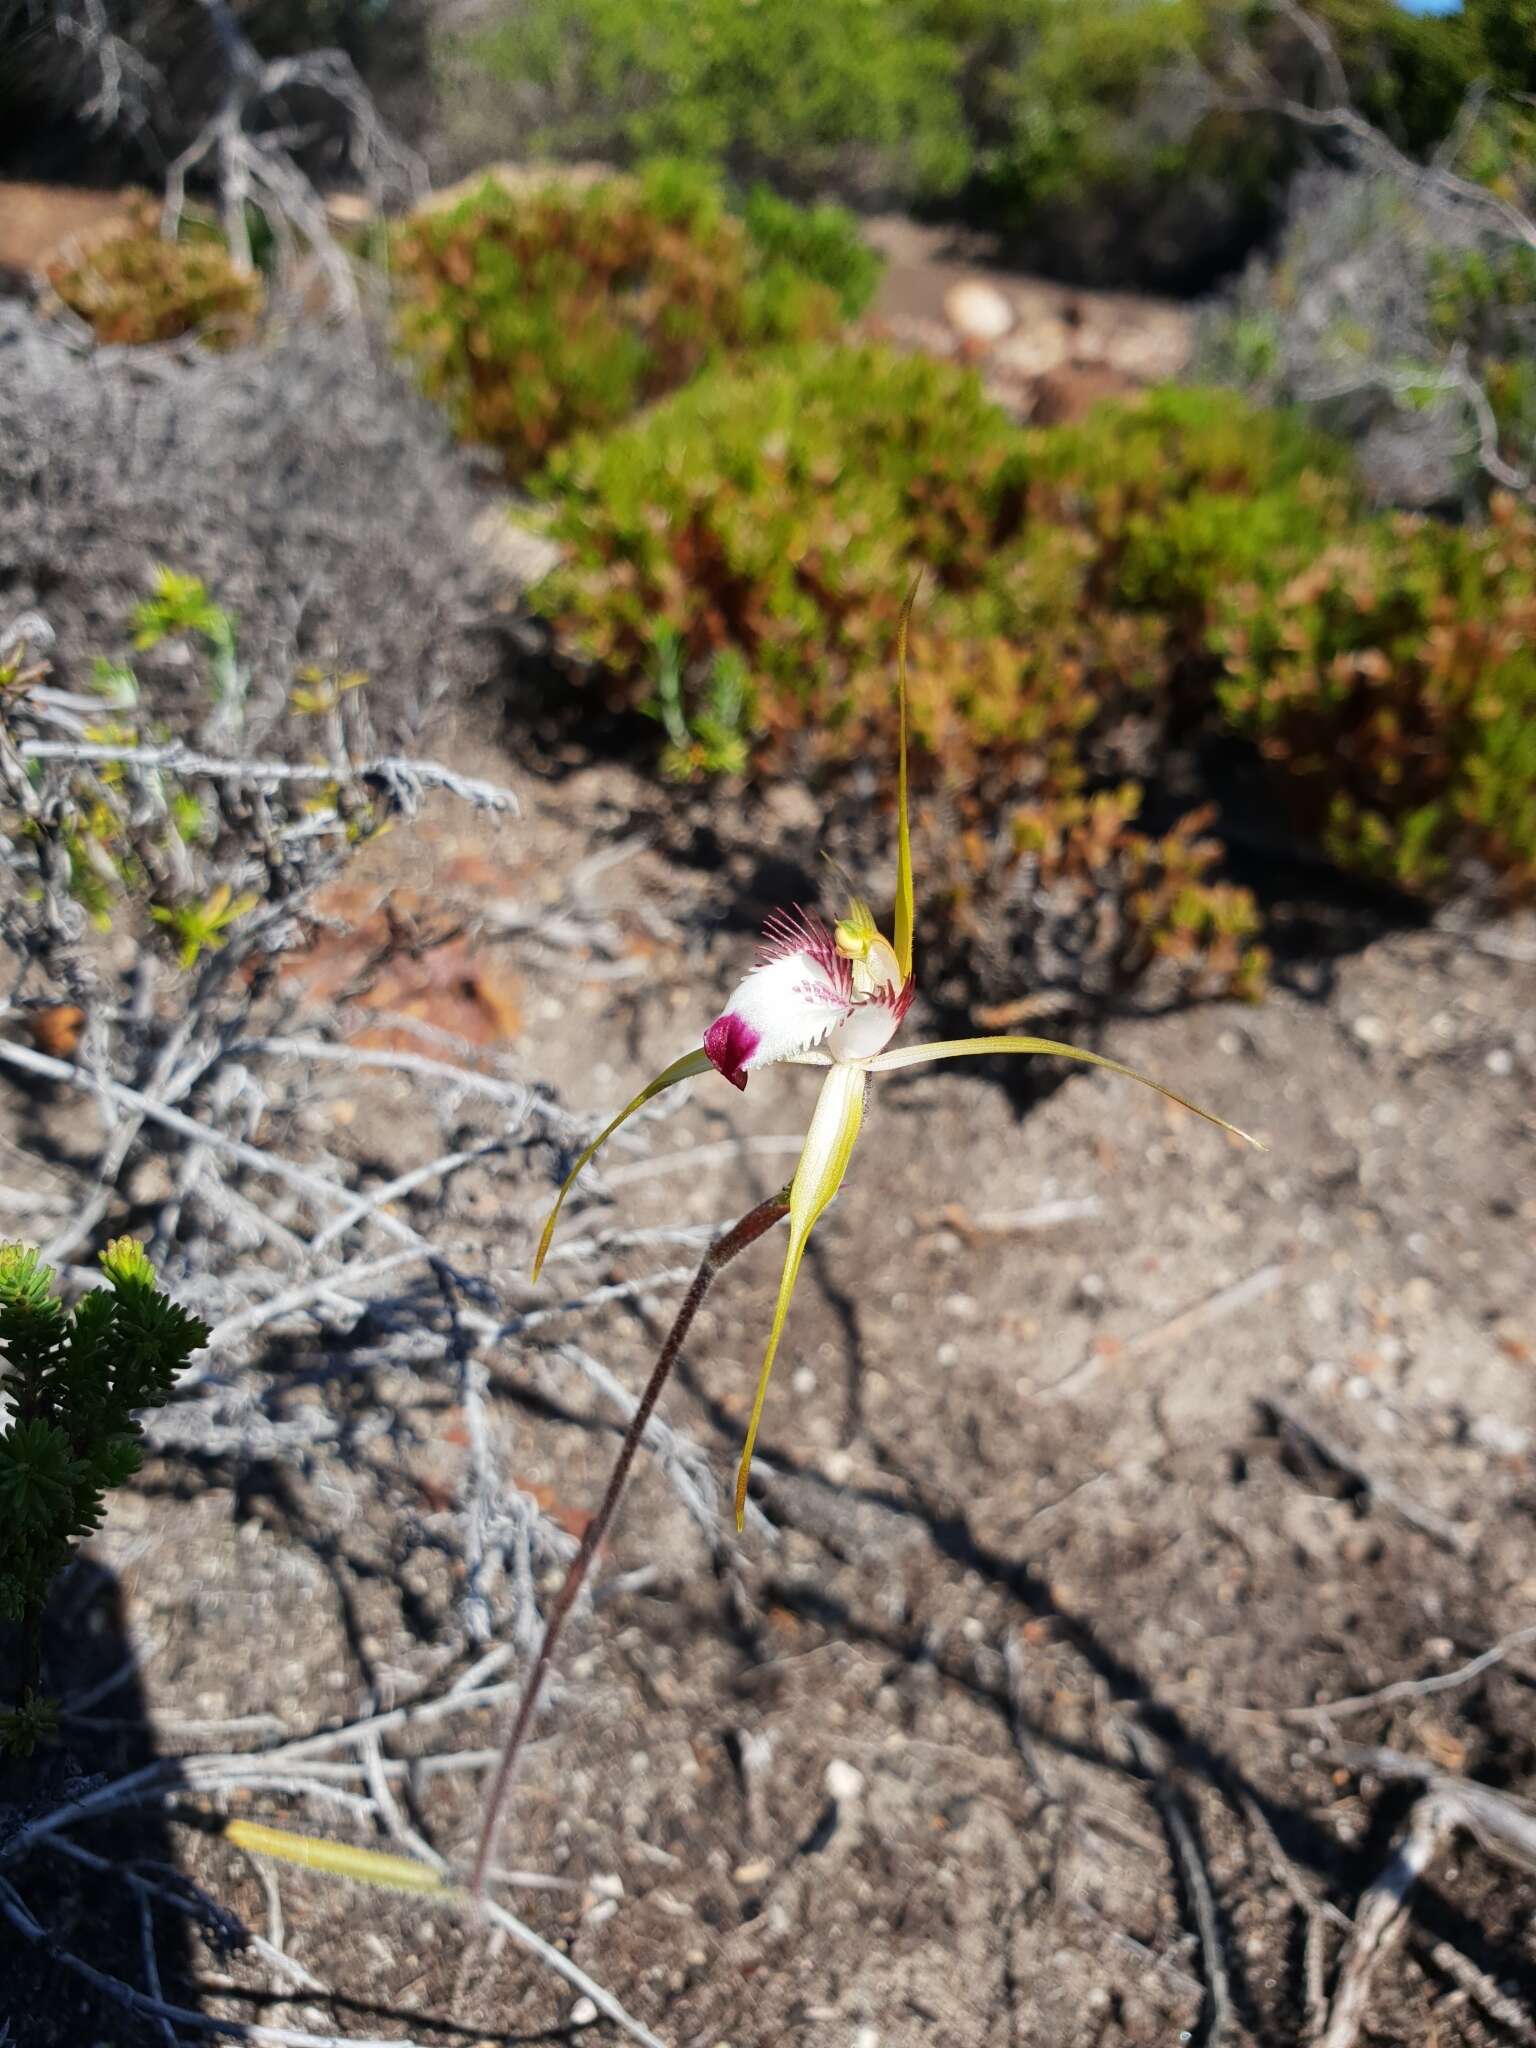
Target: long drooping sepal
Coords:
[[691, 1063], [905, 914], [823, 1162], [975, 1048]]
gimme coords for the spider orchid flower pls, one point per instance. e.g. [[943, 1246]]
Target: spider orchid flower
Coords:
[[832, 998]]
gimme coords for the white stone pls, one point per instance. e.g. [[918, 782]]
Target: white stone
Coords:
[[843, 1782], [977, 310]]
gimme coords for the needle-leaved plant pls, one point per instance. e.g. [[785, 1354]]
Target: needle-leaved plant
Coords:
[[73, 1384]]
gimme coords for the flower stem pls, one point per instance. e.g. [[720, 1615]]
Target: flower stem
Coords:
[[751, 1227]]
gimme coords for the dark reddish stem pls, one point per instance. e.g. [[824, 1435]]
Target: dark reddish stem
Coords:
[[751, 1227]]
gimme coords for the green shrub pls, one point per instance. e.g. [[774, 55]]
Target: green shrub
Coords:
[[1393, 680], [1094, 145], [775, 514], [1186, 490], [139, 288], [1084, 131], [853, 96], [777, 509], [1094, 142], [1506, 31], [818, 242], [534, 315], [780, 510], [74, 1386], [1093, 594], [1006, 109], [1407, 72], [1050, 88]]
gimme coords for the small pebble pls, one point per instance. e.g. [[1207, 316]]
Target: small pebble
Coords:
[[583, 2013], [1505, 1439], [843, 1782]]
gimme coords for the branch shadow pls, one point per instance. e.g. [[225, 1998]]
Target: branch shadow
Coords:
[[91, 1665]]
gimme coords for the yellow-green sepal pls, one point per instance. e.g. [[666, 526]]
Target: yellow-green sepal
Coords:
[[976, 1048], [696, 1062], [335, 1859], [824, 1160]]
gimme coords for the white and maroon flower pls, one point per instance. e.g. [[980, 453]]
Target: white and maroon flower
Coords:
[[811, 989], [832, 998]]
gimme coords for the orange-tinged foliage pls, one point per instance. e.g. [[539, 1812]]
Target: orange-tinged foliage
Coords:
[[1393, 681], [139, 288], [536, 314]]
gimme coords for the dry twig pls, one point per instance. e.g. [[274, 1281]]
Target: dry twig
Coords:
[[1504, 1826], [1503, 2010], [1380, 1919], [1329, 1451], [253, 164], [1411, 1688], [1216, 2018], [1314, 1912]]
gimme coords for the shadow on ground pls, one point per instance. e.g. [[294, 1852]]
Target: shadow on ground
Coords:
[[94, 1914]]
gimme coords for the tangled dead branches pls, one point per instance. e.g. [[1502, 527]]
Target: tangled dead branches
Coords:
[[255, 153], [181, 1031], [1370, 313]]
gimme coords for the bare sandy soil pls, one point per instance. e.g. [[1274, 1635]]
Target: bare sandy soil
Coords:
[[1097, 1446]]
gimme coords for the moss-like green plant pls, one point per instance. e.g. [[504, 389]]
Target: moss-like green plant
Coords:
[[140, 288], [180, 604], [715, 741], [200, 927], [72, 1386]]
